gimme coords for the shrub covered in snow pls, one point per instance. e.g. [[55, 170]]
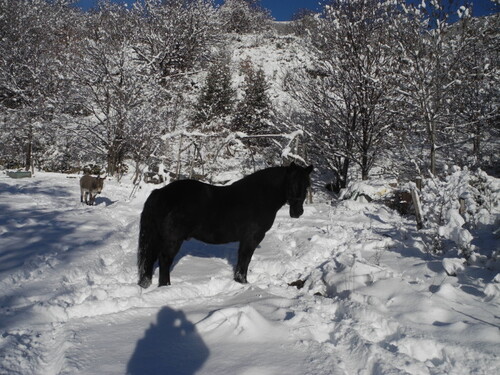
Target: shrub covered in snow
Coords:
[[456, 207]]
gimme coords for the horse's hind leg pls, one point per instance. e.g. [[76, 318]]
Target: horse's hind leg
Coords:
[[147, 259], [150, 244], [146, 275], [167, 255]]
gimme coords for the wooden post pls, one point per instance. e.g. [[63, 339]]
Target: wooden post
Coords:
[[418, 208], [418, 182], [309, 195]]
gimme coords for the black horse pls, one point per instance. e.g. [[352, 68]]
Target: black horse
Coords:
[[242, 212]]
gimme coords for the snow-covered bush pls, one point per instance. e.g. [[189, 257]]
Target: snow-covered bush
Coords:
[[457, 206], [372, 190]]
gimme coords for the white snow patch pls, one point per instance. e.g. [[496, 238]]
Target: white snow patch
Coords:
[[372, 301]]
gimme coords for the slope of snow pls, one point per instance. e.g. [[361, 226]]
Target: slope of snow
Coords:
[[372, 301], [276, 55]]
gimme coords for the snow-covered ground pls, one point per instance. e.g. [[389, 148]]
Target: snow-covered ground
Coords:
[[372, 302]]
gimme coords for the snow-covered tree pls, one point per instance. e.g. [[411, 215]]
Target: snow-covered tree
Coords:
[[432, 50], [351, 89], [243, 16], [110, 88], [32, 32], [173, 36], [304, 21], [476, 103]]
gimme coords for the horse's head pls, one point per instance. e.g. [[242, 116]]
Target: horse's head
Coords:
[[297, 183]]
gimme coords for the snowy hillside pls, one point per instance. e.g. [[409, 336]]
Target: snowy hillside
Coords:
[[373, 302], [277, 54]]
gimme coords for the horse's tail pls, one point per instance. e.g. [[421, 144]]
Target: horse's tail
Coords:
[[149, 241]]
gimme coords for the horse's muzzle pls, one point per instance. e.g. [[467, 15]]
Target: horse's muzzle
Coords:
[[296, 212]]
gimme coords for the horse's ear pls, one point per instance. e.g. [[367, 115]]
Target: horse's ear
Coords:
[[309, 169]]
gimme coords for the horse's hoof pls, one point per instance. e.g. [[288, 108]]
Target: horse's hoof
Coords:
[[240, 278], [145, 282]]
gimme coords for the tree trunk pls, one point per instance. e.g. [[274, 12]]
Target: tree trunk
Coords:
[[178, 169], [365, 170], [29, 150], [344, 173], [111, 159], [433, 159], [432, 139], [365, 126], [137, 172], [115, 156], [476, 150], [418, 208]]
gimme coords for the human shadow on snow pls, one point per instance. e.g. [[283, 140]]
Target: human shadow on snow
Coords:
[[171, 346]]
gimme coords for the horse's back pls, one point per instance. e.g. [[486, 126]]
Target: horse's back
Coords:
[[183, 194], [189, 208]]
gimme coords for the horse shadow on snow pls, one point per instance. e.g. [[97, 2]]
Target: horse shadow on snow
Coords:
[[201, 249], [171, 346]]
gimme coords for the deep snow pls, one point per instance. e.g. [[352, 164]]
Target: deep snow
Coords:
[[373, 301]]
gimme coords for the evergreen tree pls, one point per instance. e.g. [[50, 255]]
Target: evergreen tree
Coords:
[[254, 111], [216, 99]]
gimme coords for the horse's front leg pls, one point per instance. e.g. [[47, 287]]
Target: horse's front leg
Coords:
[[245, 252], [166, 259]]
